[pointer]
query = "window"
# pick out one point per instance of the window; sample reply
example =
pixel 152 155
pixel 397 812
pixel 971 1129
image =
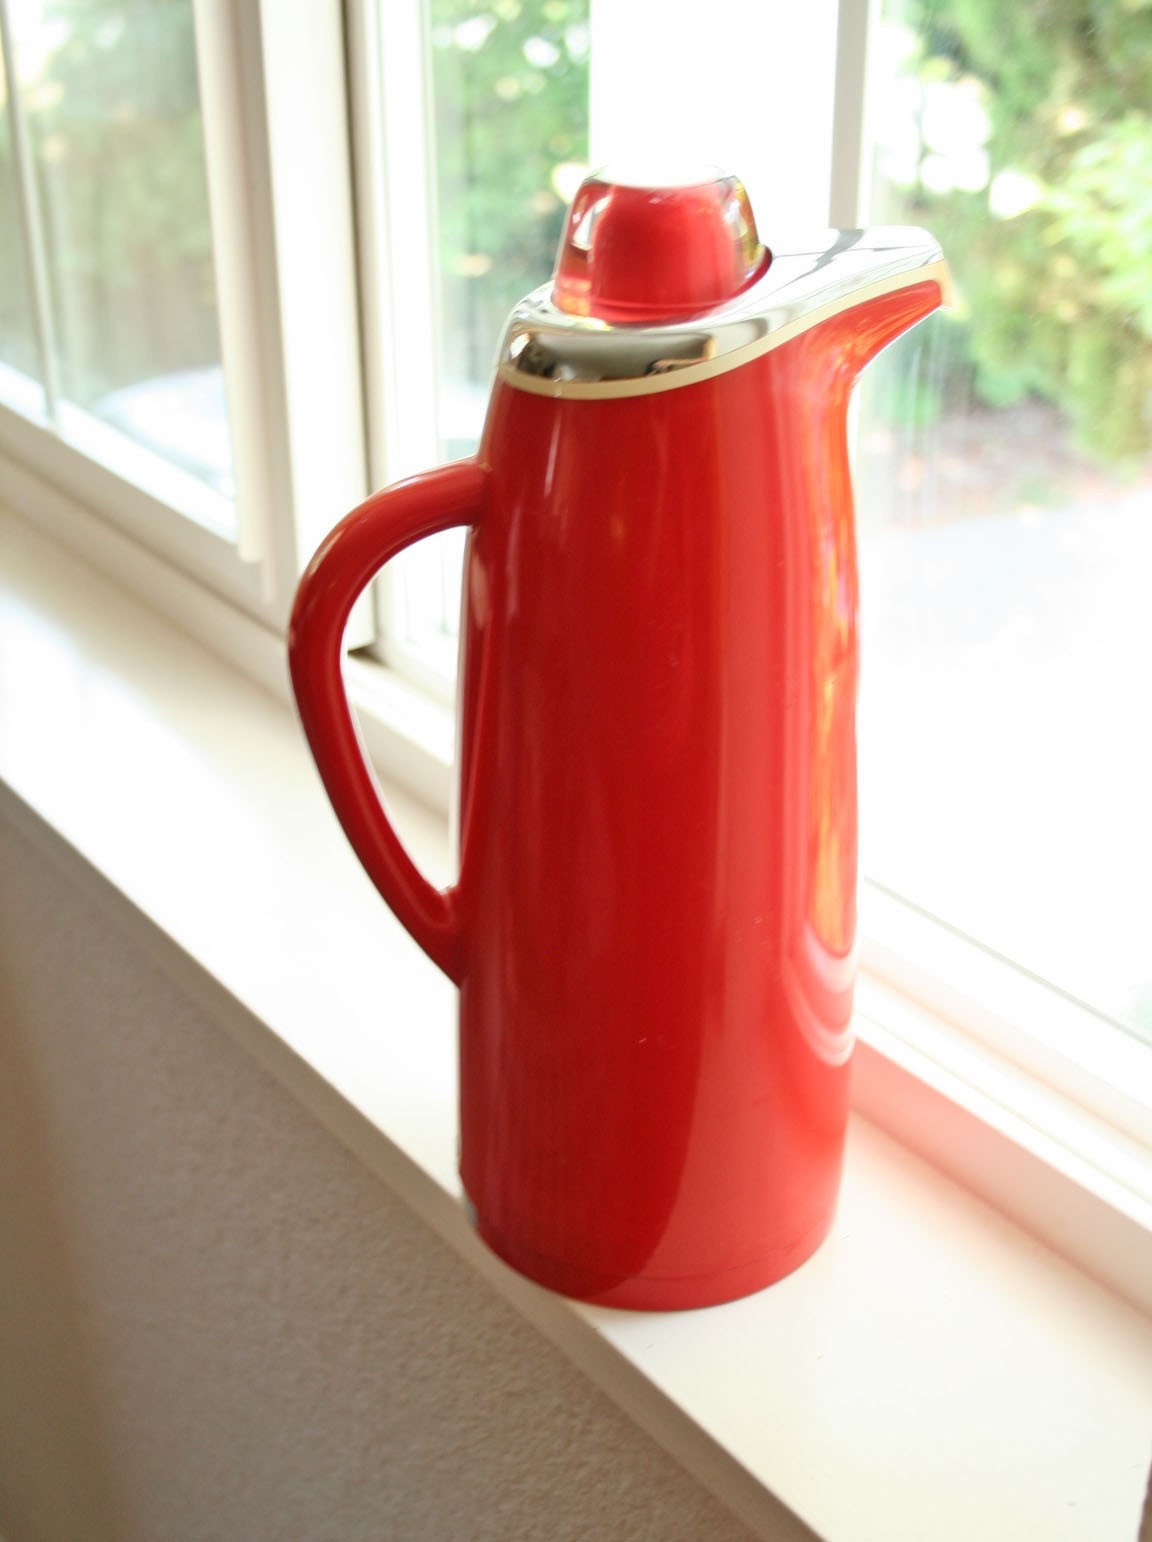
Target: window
pixel 507 104
pixel 178 290
pixel 466 221
pixel 1003 493
pixel 112 306
pixel 1005 481
pixel 1004 832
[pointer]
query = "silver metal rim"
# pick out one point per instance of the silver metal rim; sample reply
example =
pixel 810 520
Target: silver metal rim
pixel 552 352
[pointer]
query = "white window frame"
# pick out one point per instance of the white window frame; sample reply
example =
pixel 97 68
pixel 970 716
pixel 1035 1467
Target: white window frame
pixel 280 198
pixel 331 391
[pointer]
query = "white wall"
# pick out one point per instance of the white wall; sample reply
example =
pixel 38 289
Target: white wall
pixel 215 1324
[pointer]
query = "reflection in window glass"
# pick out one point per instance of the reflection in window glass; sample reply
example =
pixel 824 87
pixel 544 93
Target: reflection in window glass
pixel 1005 493
pixel 109 93
pixel 19 349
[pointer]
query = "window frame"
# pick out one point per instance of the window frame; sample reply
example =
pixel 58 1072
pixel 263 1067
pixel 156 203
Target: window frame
pixel 393 144
pixel 327 376
pixel 280 202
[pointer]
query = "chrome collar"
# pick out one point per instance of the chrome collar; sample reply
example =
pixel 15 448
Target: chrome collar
pixel 552 352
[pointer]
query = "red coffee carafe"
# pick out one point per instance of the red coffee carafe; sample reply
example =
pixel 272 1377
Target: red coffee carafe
pixel 653 926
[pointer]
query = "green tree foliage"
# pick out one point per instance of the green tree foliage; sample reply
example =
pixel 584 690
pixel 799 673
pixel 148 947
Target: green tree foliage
pixel 510 89
pixel 113 115
pixel 1058 295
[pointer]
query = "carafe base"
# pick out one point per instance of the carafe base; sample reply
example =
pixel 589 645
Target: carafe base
pixel 655 1293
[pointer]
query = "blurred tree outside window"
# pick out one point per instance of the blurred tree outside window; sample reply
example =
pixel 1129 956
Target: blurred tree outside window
pixel 510 136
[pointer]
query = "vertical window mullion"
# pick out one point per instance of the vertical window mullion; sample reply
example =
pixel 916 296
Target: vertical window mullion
pixel 397 226
pixel 396 206
pixel 276 132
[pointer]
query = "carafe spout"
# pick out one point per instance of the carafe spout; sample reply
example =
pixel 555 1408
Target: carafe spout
pixel 856 323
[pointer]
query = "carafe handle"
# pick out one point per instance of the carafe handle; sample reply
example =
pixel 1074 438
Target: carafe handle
pixel 345 564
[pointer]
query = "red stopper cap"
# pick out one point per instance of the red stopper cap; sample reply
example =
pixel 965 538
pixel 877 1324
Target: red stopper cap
pixel 641 252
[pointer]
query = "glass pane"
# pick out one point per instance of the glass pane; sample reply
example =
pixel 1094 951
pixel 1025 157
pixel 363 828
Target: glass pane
pixel 510 106
pixel 110 95
pixel 19 350
pixel 509 87
pixel 1005 493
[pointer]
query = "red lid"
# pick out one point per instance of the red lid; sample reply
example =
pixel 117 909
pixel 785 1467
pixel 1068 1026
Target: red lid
pixel 649 253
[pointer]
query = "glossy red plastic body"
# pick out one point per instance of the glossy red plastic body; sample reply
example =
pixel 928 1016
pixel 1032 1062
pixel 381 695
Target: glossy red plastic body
pixel 653 929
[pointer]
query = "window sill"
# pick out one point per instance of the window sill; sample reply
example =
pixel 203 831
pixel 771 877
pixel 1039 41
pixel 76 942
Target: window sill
pixel 933 1371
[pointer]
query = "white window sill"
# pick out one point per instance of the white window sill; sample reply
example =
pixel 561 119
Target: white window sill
pixel 933 1372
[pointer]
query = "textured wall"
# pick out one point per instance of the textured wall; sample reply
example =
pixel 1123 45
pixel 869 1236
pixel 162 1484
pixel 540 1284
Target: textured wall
pixel 214 1323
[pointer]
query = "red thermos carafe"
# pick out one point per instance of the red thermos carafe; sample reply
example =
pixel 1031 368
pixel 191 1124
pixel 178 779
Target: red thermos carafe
pixel 653 926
